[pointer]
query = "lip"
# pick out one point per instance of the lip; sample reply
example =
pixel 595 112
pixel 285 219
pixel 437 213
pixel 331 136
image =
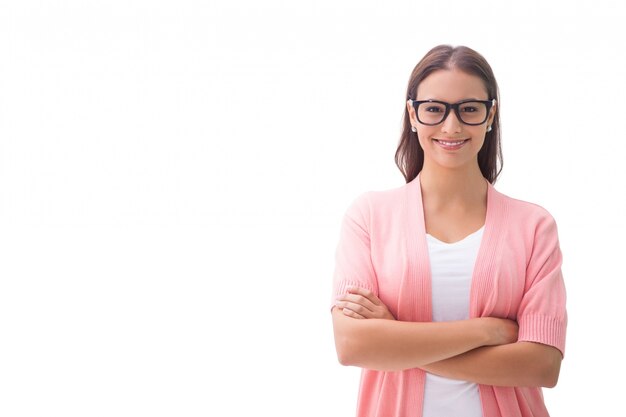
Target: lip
pixel 458 143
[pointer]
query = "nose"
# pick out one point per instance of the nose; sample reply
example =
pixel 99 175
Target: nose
pixel 451 124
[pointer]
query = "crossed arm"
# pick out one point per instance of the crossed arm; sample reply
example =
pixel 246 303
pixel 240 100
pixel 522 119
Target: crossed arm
pixel 481 350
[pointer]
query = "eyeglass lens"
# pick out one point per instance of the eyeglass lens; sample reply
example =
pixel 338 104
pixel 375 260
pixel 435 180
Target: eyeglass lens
pixel 470 112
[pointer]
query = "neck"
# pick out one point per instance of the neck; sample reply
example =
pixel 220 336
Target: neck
pixel 459 186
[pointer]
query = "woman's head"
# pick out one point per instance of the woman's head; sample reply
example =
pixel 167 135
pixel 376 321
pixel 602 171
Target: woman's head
pixel 451 74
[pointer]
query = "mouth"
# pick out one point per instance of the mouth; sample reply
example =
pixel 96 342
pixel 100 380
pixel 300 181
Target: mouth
pixel 451 145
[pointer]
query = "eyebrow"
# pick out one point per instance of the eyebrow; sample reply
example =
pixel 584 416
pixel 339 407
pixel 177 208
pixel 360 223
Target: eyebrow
pixel 463 99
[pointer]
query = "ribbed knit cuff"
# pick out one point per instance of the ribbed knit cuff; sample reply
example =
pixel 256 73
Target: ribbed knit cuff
pixel 543 329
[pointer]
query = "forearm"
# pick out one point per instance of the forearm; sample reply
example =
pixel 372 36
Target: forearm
pixel 390 345
pixel 514 364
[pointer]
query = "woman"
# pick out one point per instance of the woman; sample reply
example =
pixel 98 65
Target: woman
pixel 448 293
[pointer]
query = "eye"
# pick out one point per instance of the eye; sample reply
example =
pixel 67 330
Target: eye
pixel 469 109
pixel 434 109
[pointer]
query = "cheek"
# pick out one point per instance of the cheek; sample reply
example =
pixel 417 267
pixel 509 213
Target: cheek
pixel 425 135
pixel 478 137
pixel 422 141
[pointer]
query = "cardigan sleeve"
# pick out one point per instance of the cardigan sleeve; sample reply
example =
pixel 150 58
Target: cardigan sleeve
pixel 353 261
pixel 542 316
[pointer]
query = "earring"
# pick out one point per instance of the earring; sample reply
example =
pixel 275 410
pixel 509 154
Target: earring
pixel 489 128
pixel 413 129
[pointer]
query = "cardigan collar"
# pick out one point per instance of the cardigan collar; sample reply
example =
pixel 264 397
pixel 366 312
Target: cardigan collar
pixel 418 278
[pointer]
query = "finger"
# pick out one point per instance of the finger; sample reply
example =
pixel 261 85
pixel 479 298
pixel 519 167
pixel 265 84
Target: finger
pixel 357 308
pixel 351 313
pixel 359 299
pixel 367 294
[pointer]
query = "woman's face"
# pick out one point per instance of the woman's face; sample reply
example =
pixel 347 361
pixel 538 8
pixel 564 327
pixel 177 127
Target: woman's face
pixel 451 86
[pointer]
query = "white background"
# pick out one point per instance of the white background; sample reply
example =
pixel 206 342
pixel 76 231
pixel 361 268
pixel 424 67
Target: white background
pixel 173 176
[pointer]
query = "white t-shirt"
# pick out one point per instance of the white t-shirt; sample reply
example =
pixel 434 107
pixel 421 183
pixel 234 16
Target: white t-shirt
pixel 452 265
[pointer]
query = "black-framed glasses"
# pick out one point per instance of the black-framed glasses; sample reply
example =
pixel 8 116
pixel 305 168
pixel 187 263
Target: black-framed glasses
pixel 470 112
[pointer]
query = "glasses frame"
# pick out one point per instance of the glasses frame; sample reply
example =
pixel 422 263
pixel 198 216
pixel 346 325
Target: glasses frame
pixel 455 106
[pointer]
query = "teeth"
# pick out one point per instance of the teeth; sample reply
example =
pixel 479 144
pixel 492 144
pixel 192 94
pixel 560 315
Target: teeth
pixel 450 143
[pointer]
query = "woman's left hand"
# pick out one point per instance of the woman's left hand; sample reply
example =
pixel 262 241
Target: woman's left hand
pixel 361 303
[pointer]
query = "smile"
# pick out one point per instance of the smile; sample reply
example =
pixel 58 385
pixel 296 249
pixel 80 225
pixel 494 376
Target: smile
pixel 451 145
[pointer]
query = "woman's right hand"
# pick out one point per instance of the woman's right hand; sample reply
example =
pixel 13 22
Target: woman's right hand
pixel 500 331
pixel 361 303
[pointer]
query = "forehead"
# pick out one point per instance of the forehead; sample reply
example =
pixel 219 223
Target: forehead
pixel 451 85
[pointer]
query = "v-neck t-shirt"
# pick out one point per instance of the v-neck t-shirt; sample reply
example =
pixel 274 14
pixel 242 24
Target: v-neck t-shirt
pixel 452 265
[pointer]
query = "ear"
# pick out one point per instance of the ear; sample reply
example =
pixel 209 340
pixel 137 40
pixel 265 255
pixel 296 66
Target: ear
pixel 492 114
pixel 411 111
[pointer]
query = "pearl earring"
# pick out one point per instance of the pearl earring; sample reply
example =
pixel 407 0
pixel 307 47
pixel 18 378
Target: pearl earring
pixel 414 129
pixel 489 128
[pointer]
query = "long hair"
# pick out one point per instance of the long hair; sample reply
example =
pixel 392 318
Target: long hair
pixel 410 155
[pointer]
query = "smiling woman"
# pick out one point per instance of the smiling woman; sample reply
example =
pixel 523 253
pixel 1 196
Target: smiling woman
pixel 448 293
pixel 437 128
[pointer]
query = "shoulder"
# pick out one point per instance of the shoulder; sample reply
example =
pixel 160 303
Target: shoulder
pixel 378 202
pixel 526 214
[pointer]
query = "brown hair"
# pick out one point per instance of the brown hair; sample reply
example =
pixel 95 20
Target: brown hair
pixel 410 155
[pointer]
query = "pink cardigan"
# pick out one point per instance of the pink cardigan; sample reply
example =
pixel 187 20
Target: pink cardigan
pixel 517 275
